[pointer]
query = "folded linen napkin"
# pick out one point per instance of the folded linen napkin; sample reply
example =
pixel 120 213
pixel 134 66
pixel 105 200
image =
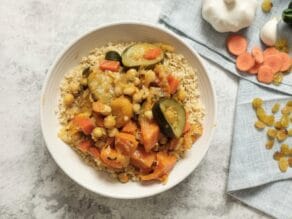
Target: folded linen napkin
pixel 254 177
pixel 184 17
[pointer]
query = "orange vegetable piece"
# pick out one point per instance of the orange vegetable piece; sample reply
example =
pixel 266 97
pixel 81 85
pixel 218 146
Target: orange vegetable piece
pixel 110 65
pixel 125 143
pixel 236 44
pixel 94 152
pixel 265 74
pixel 150 134
pixel 270 51
pixel 85 124
pixel 112 158
pixel 254 70
pixel 85 145
pixel 286 62
pixel 274 61
pixel 187 125
pixel 245 61
pixel 152 53
pixel 258 55
pixel 142 159
pixel 165 163
pixel 173 83
pixel 130 127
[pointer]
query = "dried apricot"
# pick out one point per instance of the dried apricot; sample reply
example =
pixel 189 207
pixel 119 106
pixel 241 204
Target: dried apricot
pixel 283 164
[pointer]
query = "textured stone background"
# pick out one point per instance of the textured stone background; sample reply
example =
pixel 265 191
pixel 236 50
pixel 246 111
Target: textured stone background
pixel 32 186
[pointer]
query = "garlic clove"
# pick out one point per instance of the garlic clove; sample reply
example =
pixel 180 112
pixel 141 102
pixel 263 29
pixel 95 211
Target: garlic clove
pixel 268 33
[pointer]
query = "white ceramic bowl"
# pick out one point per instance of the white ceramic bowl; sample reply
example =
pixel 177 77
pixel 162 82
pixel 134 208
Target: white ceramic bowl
pixel 69 161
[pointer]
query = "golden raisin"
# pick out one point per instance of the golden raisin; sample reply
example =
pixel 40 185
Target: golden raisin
pixel 284 149
pixel 272 133
pixel 278 125
pixel 267 6
pixel 276 108
pixel 278 78
pixel 282 45
pixel 259 125
pixel 285 110
pixel 283 164
pixel 289 103
pixel 257 102
pixel 290 161
pixel 289 132
pixel 277 155
pixel 282 134
pixel 270 144
pixel 285 121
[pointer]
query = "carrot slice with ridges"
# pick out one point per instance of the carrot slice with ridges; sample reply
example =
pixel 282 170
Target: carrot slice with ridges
pixel 236 44
pixel 257 54
pixel 245 61
pixel 265 74
pixel 274 61
pixel 286 62
pixel 270 51
pixel 254 70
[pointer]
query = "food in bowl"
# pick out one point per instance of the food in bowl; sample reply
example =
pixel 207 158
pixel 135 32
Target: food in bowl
pixel 131 109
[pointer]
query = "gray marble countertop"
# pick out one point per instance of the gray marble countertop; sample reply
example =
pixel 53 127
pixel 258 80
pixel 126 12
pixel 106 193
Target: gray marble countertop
pixel 32 33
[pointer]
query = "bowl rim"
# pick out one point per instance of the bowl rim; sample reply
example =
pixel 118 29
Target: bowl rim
pixel 112 24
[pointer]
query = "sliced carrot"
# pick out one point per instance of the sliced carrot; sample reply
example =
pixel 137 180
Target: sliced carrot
pixel 150 134
pixel 165 163
pixel 125 143
pixel 286 62
pixel 85 145
pixel 173 83
pixel 94 152
pixel 270 51
pixel 274 61
pixel 109 65
pixel 236 44
pixel 265 74
pixel 85 124
pixel 258 55
pixel 254 69
pixel 245 61
pixel 152 53
pixel 130 127
pixel 142 159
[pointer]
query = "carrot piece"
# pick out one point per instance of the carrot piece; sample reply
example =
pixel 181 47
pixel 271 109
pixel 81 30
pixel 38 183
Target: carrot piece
pixel 258 55
pixel 84 124
pixel 254 70
pixel 236 44
pixel 270 51
pixel 113 158
pixel 125 143
pixel 130 127
pixel 173 83
pixel 152 53
pixel 142 159
pixel 94 152
pixel 150 134
pixel 265 74
pixel 109 65
pixel 245 61
pixel 286 62
pixel 85 145
pixel 165 163
pixel 274 61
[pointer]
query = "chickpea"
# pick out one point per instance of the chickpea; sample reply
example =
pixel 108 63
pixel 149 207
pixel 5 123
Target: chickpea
pixel 149 77
pixel 106 110
pixel 97 133
pixel 129 90
pixel 113 132
pixel 136 107
pixel 109 122
pixel 131 74
pixel 181 95
pixel 137 97
pixel 118 91
pixel 123 177
pixel 148 114
pixel 68 99
pixel 137 81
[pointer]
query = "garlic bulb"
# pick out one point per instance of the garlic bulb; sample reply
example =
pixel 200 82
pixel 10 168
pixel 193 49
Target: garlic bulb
pixel 229 15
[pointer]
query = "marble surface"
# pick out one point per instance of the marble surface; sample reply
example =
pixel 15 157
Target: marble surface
pixel 32 186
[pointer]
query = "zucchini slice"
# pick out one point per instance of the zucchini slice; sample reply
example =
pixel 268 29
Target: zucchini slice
pixel 287 16
pixel 170 116
pixel 133 56
pixel 113 56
